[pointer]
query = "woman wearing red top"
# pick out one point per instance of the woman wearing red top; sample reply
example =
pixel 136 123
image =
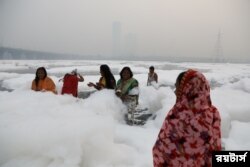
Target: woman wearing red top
pixel 191 130
pixel 70 83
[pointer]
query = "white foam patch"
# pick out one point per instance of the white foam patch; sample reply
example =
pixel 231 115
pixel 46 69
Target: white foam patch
pixel 42 129
pixel 239 138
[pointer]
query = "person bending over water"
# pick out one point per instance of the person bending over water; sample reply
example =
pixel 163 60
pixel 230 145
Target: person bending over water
pixel 70 83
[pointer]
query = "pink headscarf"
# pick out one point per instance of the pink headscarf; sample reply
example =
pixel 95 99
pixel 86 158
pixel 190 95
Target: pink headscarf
pixel 191 130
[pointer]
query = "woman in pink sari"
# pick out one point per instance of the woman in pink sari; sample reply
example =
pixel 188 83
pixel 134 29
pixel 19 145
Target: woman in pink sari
pixel 191 130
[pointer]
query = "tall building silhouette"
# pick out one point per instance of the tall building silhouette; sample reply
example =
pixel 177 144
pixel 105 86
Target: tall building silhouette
pixel 117 38
pixel 218 56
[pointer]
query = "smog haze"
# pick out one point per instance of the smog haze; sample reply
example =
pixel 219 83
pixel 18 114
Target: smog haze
pixel 146 27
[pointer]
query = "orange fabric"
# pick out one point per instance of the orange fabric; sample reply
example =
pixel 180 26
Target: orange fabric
pixel 46 84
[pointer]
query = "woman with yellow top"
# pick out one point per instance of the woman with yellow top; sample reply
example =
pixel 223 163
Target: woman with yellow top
pixel 107 79
pixel 42 82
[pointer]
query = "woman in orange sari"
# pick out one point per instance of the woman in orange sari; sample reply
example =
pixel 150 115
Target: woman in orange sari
pixel 191 130
pixel 42 82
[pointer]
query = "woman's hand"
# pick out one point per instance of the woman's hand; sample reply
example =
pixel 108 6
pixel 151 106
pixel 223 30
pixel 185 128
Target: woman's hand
pixel 91 84
pixel 80 78
pixel 118 93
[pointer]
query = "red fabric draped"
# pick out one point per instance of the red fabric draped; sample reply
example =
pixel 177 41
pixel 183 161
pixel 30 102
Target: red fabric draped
pixel 191 130
pixel 70 85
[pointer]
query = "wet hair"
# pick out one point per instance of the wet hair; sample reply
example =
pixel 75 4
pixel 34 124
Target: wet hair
pixel 151 68
pixel 37 78
pixel 126 68
pixel 177 84
pixel 180 76
pixel 110 79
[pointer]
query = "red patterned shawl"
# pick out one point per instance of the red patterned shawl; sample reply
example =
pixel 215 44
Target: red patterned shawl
pixel 191 130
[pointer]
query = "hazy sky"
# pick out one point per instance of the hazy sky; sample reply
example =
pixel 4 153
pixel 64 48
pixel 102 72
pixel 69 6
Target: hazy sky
pixel 161 27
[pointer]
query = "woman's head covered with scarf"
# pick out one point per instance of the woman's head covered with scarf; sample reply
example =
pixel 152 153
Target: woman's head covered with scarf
pixel 193 90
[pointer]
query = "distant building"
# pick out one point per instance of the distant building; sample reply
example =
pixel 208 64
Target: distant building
pixel 117 38
pixel 218 56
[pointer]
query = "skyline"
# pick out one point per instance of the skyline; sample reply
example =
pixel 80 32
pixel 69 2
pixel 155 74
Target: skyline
pixel 21 54
pixel 160 28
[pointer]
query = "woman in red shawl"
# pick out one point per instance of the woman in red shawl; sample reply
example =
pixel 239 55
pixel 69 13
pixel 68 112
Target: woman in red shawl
pixel 191 130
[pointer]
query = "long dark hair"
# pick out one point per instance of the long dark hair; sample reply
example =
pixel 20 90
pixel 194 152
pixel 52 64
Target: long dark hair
pixel 37 78
pixel 126 68
pixel 109 77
